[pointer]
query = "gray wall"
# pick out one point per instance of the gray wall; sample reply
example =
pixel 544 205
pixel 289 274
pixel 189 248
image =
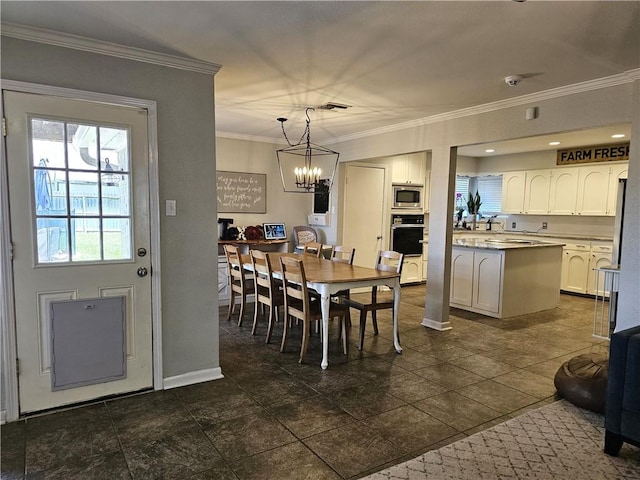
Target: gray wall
pixel 258 157
pixel 186 151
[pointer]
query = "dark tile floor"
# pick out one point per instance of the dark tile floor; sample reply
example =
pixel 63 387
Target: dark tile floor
pixel 272 418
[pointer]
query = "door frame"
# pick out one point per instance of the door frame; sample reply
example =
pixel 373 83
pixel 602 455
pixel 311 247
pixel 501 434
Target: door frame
pixel 7 312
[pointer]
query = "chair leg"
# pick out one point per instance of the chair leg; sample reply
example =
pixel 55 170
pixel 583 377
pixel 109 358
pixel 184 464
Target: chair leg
pixel 612 443
pixel 375 322
pixel 232 302
pixel 345 335
pixel 306 326
pixel 243 302
pixel 285 330
pixel 255 318
pixel 270 326
pixel 363 323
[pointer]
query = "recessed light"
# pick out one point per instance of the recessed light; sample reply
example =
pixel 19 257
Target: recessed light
pixel 490 150
pixel 618 135
pixel 554 143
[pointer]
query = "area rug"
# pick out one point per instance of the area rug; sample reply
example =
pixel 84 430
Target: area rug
pixel 557 441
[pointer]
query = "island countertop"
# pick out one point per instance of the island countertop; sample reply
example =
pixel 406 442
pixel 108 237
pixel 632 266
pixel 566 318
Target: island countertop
pixel 502 243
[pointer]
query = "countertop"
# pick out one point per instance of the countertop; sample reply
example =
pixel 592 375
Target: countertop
pixel 502 244
pixel 567 236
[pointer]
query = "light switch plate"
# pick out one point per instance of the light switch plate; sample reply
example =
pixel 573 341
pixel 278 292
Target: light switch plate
pixel 170 206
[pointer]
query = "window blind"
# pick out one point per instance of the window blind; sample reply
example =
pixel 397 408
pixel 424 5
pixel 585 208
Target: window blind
pixel 490 189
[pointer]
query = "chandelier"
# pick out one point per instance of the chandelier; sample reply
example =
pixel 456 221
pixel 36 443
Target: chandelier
pixel 300 163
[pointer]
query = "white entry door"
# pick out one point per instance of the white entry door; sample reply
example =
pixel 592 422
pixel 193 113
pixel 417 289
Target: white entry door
pixel 79 211
pixel 364 212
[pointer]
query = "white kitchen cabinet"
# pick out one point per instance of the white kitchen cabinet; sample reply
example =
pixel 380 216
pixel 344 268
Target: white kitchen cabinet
pixel 575 268
pixel 425 260
pixel 411 270
pixel 564 191
pixel 616 172
pixel 505 282
pixel 461 277
pixel 536 194
pixel 476 277
pixel 513 184
pixel 427 184
pixel 599 257
pixel 593 190
pixel 487 280
pixel 409 169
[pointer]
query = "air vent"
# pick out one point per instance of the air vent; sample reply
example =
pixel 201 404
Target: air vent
pixel 333 106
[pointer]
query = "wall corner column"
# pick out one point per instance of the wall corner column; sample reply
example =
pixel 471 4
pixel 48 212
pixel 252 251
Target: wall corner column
pixel 441 201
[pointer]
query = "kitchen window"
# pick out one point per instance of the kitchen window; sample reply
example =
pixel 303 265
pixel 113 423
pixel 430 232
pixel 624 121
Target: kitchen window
pixel 490 190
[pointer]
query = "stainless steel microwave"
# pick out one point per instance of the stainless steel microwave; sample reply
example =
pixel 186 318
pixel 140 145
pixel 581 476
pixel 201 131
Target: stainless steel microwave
pixel 407 195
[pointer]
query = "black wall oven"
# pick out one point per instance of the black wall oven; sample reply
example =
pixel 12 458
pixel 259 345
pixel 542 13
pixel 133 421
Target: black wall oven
pixel 407 233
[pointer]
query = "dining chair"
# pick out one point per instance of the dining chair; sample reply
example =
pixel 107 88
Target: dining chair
pixel 298 304
pixel 312 248
pixel 303 234
pixel 387 261
pixel 268 290
pixel 240 281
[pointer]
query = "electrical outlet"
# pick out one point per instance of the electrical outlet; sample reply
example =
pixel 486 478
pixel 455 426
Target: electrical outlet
pixel 513 224
pixel 544 225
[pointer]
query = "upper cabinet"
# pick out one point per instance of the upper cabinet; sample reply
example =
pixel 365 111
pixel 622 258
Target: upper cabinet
pixel 593 190
pixel 585 190
pixel 409 168
pixel 513 192
pixel 564 191
pixel 536 193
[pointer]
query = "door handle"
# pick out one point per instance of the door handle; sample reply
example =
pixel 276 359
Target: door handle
pixel 379 237
pixel 142 272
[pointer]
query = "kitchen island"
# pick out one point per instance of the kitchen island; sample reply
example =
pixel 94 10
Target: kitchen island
pixel 505 277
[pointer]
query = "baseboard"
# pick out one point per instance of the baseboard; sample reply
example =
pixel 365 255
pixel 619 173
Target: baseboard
pixel 192 377
pixel 3 417
pixel 442 326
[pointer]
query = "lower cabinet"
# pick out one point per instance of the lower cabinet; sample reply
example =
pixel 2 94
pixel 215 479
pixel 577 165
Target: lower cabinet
pixel 579 267
pixel 476 279
pixel 575 268
pixel 411 270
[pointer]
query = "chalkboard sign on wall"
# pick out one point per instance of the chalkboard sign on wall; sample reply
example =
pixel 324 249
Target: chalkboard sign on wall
pixel 240 192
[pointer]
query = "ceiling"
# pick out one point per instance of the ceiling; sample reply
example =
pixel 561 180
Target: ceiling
pixel 392 62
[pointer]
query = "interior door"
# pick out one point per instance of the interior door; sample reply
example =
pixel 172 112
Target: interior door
pixel 364 212
pixel 79 212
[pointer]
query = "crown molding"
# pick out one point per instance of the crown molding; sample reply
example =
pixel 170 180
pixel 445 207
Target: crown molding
pixel 611 81
pixel 85 44
pixel 251 138
pixel 590 85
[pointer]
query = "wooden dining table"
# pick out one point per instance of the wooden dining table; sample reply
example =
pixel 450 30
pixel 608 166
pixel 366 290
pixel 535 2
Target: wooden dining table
pixel 327 278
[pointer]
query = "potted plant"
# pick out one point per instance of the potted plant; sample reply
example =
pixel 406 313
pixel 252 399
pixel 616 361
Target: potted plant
pixel 473 207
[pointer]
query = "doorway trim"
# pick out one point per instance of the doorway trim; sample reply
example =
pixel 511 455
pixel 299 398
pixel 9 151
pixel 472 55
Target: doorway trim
pixel 7 315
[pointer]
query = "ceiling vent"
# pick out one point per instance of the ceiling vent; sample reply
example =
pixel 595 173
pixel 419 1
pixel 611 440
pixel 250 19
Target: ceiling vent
pixel 333 106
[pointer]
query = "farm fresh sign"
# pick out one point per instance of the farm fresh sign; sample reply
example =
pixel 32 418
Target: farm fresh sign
pixel 597 153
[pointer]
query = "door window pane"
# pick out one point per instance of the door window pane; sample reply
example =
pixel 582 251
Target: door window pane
pixel 81 191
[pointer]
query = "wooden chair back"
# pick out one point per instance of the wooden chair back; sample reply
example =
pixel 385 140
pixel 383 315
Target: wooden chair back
pixel 296 294
pixel 236 274
pixel 312 248
pixel 265 284
pixel 342 254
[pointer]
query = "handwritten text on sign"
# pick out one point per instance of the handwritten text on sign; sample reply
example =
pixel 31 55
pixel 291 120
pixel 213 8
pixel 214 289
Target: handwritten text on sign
pixel 596 153
pixel 240 192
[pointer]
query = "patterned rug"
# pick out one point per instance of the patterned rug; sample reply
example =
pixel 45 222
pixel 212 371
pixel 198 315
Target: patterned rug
pixel 557 441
